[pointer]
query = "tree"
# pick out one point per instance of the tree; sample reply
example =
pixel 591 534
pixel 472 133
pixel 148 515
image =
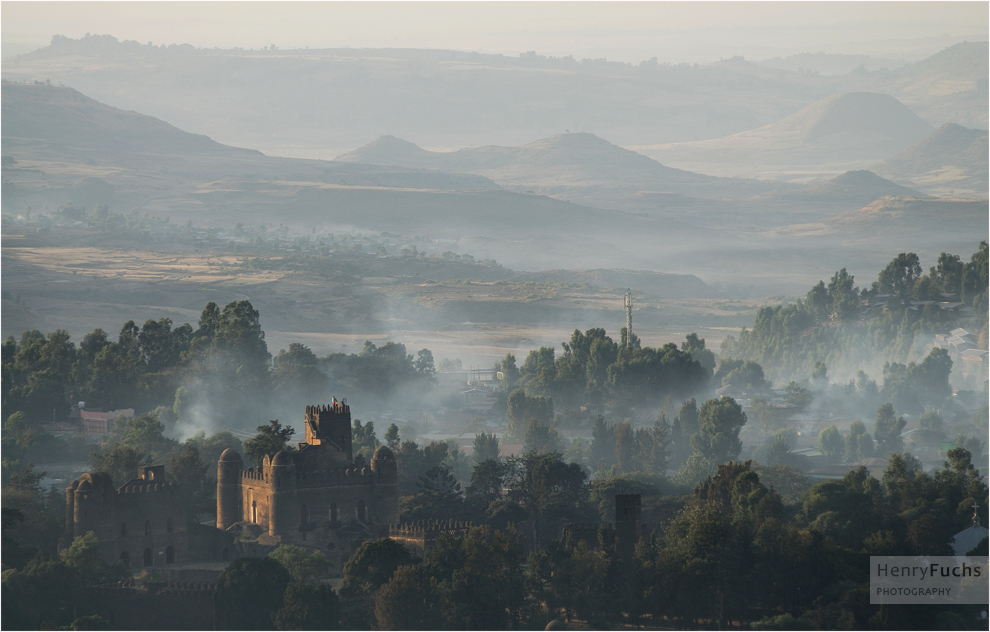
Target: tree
pixel 408 602
pixel 717 440
pixel 625 446
pixel 120 461
pixel 830 443
pixel 364 441
pixel 249 593
pixel 696 347
pixel 522 409
pixel 653 447
pixel 859 443
pixel 748 376
pixel 548 488
pixel 303 567
pixel 187 470
pixel 487 480
pixel 771 417
pixel 270 440
pixel 308 607
pixel 887 431
pixel 542 437
pixel 485 447
pixel 930 429
pixel 392 437
pixel 371 566
pixel 602 442
pixel 843 299
pixel 899 276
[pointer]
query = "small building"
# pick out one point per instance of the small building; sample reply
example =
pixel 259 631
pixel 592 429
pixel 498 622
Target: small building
pixel 97 424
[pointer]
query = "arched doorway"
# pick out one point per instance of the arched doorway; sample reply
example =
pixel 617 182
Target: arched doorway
pixel 148 558
pixel 170 554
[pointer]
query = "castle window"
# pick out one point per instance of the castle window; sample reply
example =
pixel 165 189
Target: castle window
pixel 362 514
pixel 168 525
pixel 147 527
pixel 126 559
pixel 170 554
pixel 333 513
pixel 148 559
pixel 123 529
pixel 254 511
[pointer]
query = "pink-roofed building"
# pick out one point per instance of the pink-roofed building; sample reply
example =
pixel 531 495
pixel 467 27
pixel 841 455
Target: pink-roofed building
pixel 97 424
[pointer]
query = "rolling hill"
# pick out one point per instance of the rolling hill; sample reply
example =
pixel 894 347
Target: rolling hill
pixel 950 161
pixel 838 133
pixel 575 166
pixel 853 188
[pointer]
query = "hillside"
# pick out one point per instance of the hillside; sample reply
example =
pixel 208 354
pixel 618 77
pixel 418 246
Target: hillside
pixel 901 220
pixel 853 188
pixel 576 166
pixel 59 121
pixel 950 161
pixel 841 132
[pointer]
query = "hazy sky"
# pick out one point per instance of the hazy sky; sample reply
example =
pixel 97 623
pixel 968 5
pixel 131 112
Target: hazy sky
pixel 622 31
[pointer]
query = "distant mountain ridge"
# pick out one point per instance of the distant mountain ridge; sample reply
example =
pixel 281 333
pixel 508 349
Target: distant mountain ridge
pixel 69 122
pixel 852 130
pixel 565 165
pixel 951 160
pixel 856 187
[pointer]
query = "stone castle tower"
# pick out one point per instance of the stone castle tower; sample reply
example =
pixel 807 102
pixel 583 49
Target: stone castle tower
pixel 307 495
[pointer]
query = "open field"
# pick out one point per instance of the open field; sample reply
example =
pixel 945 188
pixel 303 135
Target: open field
pixel 331 304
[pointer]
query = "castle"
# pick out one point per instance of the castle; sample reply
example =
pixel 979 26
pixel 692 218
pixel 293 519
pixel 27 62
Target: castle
pixel 317 495
pixel 141 523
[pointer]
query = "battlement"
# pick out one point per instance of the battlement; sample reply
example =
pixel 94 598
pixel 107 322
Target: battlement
pixel 144 488
pixel 330 423
pixel 428 528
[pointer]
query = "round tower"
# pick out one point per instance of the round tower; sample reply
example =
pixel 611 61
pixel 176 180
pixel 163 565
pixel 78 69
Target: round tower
pixel 70 508
pixel 283 496
pixel 229 488
pixel 386 490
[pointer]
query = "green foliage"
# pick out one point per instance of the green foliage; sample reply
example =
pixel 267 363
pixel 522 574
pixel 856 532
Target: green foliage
pixel 120 461
pixel 887 431
pixel 842 327
pixel 371 566
pixel 717 439
pixel 470 583
pixel 831 444
pixel 250 593
pixel 83 556
pixel 485 447
pixel 308 607
pixel 303 566
pixel 522 409
pixel 542 437
pixel 363 440
pixel 270 440
pixel 392 437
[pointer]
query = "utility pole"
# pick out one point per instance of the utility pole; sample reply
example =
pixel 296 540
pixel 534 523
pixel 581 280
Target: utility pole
pixel 629 304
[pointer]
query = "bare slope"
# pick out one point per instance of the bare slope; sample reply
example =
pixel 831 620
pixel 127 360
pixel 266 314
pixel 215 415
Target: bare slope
pixel 952 160
pixel 837 133
pixel 577 166
pixel 853 188
pixel 903 219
